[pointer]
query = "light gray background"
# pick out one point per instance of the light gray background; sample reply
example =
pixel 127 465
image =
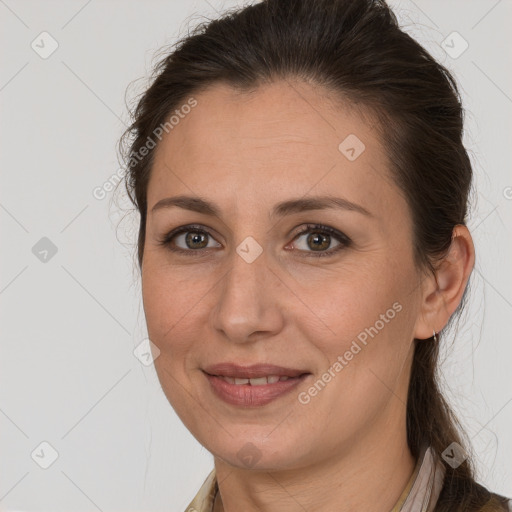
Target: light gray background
pixel 70 325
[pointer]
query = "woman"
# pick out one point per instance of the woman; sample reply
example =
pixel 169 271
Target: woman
pixel 302 186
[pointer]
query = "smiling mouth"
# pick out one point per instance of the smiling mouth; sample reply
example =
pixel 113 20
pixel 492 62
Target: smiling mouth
pixel 259 381
pixel 254 391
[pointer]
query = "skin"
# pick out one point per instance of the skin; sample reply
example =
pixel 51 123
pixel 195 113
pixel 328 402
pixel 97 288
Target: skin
pixel 246 152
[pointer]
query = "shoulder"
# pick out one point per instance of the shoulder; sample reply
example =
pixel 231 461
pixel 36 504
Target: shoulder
pixel 458 495
pixel 497 503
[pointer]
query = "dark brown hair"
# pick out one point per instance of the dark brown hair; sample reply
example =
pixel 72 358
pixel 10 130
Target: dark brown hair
pixel 356 49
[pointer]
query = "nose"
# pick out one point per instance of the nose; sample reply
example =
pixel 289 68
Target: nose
pixel 248 305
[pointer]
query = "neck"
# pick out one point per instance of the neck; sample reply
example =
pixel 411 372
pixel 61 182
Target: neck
pixel 365 477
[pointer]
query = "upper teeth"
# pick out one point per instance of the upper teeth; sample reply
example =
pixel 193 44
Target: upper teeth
pixel 260 381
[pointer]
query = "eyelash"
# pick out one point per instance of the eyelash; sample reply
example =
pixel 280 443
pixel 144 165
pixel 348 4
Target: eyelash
pixel 344 240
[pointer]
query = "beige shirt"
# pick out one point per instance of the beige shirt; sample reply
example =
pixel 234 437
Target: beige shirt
pixel 419 495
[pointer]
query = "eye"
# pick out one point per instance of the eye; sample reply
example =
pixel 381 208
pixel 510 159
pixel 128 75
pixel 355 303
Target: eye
pixel 320 237
pixel 194 239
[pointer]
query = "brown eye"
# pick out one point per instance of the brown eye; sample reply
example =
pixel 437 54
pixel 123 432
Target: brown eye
pixel 191 240
pixel 196 240
pixel 188 239
pixel 319 238
pixel 318 241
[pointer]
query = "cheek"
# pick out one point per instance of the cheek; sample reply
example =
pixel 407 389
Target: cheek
pixel 170 322
pixel 364 362
pixel 363 318
pixel 169 299
pixel 168 311
pixel 347 300
pixel 177 303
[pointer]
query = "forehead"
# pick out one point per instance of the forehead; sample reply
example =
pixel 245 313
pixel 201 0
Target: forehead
pixel 279 139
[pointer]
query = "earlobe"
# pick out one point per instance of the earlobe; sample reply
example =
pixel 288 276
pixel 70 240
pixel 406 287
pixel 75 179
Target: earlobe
pixel 445 289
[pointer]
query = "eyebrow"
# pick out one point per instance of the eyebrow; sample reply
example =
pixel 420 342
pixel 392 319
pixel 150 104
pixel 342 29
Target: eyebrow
pixel 291 206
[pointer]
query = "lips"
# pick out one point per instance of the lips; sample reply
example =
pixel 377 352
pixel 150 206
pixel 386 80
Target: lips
pixel 254 385
pixel 256 371
pixel 254 391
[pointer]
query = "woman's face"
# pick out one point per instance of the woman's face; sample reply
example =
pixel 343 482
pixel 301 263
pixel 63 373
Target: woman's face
pixel 254 285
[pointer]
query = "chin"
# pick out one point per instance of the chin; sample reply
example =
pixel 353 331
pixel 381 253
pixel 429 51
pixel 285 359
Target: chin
pixel 245 452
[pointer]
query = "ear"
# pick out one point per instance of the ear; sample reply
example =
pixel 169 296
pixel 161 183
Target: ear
pixel 442 292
